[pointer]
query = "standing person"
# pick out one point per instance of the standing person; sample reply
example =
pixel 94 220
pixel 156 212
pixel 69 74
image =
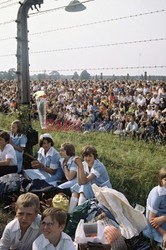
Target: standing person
pixel 25 227
pixel 8 160
pixel 53 237
pixel 47 166
pixel 156 211
pixel 18 141
pixel 67 153
pixel 89 172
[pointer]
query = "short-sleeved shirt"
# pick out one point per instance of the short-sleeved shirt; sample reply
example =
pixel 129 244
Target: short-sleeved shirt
pixel 50 159
pixel 19 140
pixel 12 234
pixel 99 170
pixel 65 243
pixel 8 153
pixel 156 203
pixel 70 164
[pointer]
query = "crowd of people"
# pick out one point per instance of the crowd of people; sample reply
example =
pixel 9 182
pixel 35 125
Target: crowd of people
pixel 123 107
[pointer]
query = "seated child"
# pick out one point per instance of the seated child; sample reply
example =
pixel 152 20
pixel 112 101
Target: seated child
pixel 89 172
pixel 53 237
pixel 25 228
pixel 8 159
pixel 156 211
pixel 67 153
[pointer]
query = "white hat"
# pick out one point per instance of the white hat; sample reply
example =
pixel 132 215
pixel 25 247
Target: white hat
pixel 46 135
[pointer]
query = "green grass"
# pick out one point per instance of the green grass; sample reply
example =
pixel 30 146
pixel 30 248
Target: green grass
pixel 132 165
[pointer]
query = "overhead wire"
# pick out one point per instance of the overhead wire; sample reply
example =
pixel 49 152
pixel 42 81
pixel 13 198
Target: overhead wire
pixel 84 24
pixel 1 3
pixel 55 9
pixel 92 46
pixel 8 5
pixel 98 46
pixel 103 68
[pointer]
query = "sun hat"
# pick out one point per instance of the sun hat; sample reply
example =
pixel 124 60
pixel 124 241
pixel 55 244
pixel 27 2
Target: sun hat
pixel 46 135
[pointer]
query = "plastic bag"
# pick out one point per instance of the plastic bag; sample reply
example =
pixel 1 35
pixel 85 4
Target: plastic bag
pixel 80 235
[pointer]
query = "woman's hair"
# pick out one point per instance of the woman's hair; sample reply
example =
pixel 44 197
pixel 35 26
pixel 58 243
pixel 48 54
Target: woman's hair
pixel 28 200
pixel 69 148
pixel 56 214
pixel 162 174
pixel 19 126
pixel 47 139
pixel 5 136
pixel 88 150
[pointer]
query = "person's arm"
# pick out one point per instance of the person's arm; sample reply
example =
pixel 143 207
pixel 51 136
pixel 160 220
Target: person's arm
pixel 38 165
pixel 18 148
pixel 5 241
pixel 5 162
pixel 81 176
pixel 69 174
pixel 22 145
pixel 156 222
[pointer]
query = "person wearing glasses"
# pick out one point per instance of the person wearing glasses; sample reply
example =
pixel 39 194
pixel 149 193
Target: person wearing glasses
pixel 53 237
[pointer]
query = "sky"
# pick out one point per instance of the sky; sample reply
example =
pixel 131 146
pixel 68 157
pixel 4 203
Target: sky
pixel 96 44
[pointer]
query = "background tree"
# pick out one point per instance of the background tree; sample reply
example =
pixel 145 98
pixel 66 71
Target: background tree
pixel 75 76
pixel 84 75
pixel 11 74
pixel 54 75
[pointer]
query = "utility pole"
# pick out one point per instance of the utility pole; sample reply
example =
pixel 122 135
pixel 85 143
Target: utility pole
pixel 22 50
pixel 23 71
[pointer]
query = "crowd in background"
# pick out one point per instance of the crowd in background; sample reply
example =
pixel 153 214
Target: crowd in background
pixel 124 107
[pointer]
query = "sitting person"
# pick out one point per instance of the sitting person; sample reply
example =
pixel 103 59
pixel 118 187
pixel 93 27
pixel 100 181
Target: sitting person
pixel 67 153
pixel 89 172
pixel 47 167
pixel 8 160
pixel 53 237
pixel 18 141
pixel 132 127
pixel 21 232
pixel 156 211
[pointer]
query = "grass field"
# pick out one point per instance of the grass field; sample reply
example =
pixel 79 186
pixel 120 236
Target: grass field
pixel 132 165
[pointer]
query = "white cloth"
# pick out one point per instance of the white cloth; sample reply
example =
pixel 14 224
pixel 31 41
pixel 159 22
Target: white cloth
pixel 12 233
pixel 9 153
pixel 131 222
pixel 65 243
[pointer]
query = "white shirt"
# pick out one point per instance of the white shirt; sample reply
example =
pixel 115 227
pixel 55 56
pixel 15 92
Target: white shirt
pixel 65 243
pixel 12 233
pixel 9 153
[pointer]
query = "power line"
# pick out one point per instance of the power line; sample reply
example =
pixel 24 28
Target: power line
pixel 107 68
pixel 6 2
pixel 98 22
pixel 88 24
pixel 97 46
pixel 84 24
pixel 6 6
pixel 7 22
pixel 54 9
pixel 92 46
